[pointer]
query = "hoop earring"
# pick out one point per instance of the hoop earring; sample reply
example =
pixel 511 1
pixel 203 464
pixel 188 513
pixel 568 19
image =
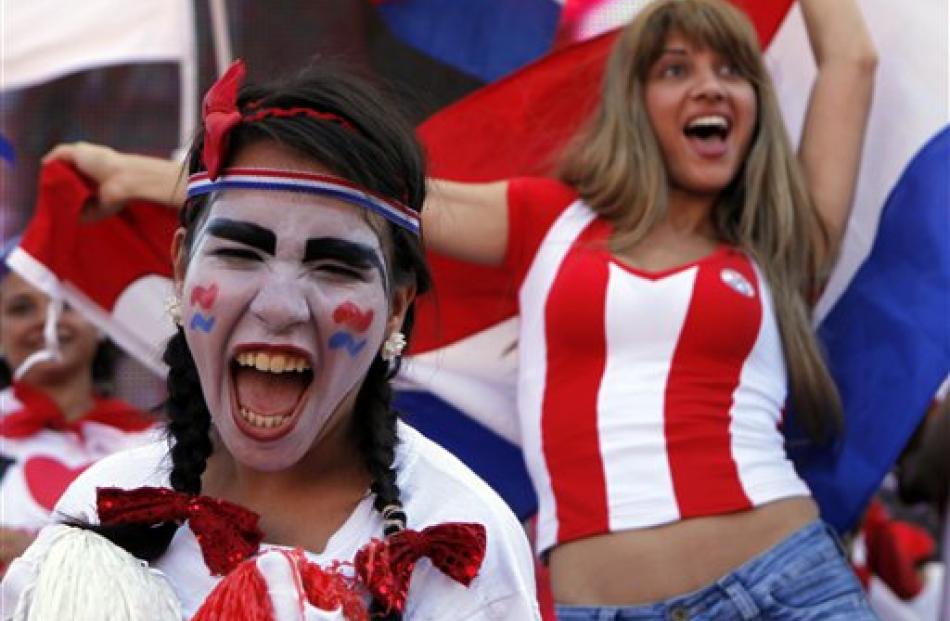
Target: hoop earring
pixel 173 309
pixel 393 346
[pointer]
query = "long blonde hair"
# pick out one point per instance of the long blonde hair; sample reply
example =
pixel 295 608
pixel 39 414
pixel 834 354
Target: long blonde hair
pixel 616 165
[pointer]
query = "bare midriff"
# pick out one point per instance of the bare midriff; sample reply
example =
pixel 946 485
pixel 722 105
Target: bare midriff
pixel 646 565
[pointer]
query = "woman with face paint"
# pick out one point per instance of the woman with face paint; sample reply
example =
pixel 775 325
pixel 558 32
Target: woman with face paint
pixel 288 489
pixel 55 417
pixel 664 288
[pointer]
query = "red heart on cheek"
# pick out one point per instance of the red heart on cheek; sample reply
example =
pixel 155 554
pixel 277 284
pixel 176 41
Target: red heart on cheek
pixel 47 479
pixel 350 314
pixel 204 296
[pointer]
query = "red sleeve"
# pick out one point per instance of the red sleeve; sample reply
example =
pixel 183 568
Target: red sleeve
pixel 534 203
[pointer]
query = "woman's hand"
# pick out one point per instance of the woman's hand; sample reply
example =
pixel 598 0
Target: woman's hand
pixel 122 177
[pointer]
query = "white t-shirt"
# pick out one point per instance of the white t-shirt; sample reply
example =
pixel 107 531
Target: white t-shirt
pixel 37 468
pixel 435 487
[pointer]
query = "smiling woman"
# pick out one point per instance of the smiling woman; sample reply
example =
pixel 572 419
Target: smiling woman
pixel 56 417
pixel 664 283
pixel 296 266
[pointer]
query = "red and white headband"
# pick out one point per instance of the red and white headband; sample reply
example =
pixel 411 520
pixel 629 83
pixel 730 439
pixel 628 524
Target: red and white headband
pixel 221 114
pixel 306 183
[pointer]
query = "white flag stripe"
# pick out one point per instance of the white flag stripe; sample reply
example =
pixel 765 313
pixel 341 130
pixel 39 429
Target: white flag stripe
pixel 910 106
pixel 46 39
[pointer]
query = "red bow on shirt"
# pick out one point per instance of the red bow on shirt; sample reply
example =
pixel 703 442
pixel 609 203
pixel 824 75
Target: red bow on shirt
pixel 226 532
pixel 40 412
pixel 220 114
pixel 385 566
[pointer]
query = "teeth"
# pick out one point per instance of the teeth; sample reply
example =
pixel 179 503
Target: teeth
pixel 264 422
pixel 709 121
pixel 272 363
pixel 277 363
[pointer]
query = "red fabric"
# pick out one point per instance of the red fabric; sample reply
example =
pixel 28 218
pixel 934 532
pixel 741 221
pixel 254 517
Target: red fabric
pixel 40 412
pixel 78 252
pixel 574 310
pixel 509 128
pixel 329 590
pixel 241 595
pixel 534 204
pixel 385 565
pixel 287 112
pixel 894 551
pixel 542 577
pixel 226 532
pixel 766 16
pixel 220 114
pixel 696 419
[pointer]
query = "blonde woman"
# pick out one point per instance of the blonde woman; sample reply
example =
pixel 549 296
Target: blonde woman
pixel 664 286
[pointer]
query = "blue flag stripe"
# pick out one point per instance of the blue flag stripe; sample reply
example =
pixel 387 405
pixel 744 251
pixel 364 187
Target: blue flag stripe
pixel 888 339
pixel 496 460
pixel 484 38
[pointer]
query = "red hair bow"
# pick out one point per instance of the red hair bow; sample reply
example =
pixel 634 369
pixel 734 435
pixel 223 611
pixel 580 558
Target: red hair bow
pixel 226 532
pixel 220 114
pixel 385 566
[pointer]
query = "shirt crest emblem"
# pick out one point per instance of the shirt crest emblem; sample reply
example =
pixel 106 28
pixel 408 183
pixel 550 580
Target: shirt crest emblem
pixel 737 282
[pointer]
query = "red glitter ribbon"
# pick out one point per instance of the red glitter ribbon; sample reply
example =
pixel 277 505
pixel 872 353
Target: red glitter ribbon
pixel 226 532
pixel 385 566
pixel 220 114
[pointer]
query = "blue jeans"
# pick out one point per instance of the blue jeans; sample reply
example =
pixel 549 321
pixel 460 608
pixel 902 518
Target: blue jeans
pixel 803 578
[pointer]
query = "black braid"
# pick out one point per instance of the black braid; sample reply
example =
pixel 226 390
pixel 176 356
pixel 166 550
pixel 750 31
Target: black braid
pixel 375 421
pixel 189 423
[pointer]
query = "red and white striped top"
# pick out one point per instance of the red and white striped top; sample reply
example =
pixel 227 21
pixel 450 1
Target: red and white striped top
pixel 644 398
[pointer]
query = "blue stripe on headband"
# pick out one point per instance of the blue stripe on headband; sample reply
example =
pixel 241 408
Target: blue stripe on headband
pixel 307 183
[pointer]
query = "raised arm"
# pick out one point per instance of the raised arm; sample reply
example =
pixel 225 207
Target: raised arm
pixel 837 115
pixel 122 177
pixel 467 221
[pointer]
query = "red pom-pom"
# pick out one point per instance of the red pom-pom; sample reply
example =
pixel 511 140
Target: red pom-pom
pixel 241 595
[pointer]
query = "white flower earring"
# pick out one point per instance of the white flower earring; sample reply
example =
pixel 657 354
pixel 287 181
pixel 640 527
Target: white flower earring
pixel 393 346
pixel 173 309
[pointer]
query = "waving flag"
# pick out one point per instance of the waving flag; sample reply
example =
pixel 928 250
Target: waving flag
pixel 483 38
pixel 46 39
pixel 117 271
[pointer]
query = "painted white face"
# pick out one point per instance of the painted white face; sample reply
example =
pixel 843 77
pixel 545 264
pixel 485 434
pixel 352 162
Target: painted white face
pixel 285 304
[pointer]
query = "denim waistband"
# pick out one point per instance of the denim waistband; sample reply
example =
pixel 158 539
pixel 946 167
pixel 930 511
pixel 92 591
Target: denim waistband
pixel 813 543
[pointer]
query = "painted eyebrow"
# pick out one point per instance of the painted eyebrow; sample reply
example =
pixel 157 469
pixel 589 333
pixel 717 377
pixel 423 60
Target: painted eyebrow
pixel 355 254
pixel 246 233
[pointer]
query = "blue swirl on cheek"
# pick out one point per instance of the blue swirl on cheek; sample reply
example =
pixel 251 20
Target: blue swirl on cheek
pixel 346 341
pixel 201 322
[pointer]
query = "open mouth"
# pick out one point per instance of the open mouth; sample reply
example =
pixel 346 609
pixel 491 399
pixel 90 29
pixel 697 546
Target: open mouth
pixel 270 385
pixel 708 134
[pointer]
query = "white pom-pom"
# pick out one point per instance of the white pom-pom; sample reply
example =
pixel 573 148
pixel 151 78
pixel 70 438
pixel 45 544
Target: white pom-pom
pixel 85 577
